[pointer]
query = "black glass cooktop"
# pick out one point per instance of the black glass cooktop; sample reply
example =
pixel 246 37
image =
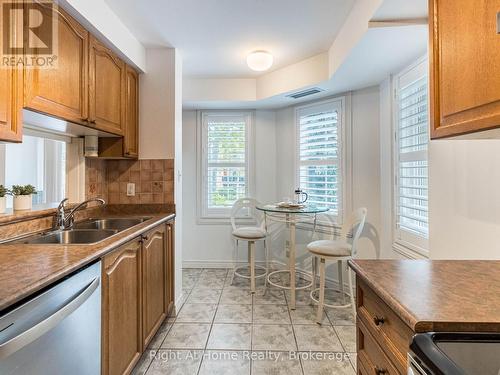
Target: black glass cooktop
pixel 458 353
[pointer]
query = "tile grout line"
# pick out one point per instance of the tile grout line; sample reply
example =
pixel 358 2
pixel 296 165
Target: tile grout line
pixel 293 330
pixel 211 325
pixel 168 331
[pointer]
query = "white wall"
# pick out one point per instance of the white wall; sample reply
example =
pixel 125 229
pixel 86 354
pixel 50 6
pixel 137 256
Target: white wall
pixel 366 166
pixel 464 198
pixel 210 244
pixel 178 175
pixel 158 103
pixel 98 18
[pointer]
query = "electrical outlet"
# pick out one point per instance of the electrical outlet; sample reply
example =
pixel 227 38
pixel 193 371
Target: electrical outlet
pixel 130 189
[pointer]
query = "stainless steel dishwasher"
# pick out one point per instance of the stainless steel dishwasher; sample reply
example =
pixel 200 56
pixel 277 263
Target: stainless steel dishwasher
pixel 56 332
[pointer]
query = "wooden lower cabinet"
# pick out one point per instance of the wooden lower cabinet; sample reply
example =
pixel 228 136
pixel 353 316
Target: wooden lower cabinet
pixel 122 309
pixel 137 295
pixel 154 275
pixel 371 355
pixel 383 339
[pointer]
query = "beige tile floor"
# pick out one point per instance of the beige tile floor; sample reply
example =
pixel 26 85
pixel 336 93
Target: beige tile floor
pixel 222 329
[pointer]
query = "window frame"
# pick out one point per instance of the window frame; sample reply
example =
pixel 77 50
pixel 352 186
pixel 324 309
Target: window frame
pixel 42 162
pixel 326 221
pixel 405 241
pixel 205 214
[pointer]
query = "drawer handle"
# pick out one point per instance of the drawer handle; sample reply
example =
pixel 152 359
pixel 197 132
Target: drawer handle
pixel 380 371
pixel 378 321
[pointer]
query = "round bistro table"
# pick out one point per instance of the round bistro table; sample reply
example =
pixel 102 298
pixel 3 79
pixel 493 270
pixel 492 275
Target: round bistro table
pixel 291 216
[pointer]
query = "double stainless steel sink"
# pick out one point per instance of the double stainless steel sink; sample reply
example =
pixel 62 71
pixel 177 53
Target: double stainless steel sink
pixel 85 232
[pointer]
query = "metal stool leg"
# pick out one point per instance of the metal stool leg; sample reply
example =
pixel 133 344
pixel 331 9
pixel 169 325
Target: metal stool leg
pixel 266 254
pixel 314 273
pixel 251 255
pixel 341 280
pixel 319 317
pixel 235 259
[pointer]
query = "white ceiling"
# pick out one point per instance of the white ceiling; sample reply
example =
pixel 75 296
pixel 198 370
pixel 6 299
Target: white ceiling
pixel 401 9
pixel 215 36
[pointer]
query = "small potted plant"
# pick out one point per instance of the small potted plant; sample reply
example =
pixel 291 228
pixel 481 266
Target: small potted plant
pixel 23 196
pixel 3 192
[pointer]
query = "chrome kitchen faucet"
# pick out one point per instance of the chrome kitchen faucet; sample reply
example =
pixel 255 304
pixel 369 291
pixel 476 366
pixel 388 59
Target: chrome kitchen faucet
pixel 65 221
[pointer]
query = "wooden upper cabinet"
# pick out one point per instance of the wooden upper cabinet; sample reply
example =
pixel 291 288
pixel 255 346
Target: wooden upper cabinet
pixel 121 309
pixel 107 89
pixel 62 91
pixel 131 140
pixel 11 102
pixel 464 66
pixel 10 105
pixel 154 281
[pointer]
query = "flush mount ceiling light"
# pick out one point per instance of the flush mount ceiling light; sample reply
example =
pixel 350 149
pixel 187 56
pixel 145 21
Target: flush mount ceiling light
pixel 260 60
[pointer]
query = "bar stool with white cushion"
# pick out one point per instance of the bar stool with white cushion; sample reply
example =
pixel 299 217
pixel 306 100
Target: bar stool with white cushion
pixel 338 250
pixel 251 234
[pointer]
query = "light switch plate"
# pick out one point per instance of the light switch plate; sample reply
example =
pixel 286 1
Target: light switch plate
pixel 130 189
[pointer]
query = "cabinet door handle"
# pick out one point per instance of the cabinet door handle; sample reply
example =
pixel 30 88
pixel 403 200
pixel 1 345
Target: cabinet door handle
pixel 144 238
pixel 380 371
pixel 378 320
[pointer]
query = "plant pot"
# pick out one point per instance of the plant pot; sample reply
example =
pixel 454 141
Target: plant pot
pixel 2 204
pixel 23 202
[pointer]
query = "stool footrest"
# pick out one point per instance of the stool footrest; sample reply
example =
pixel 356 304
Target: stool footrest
pixel 236 273
pixel 328 305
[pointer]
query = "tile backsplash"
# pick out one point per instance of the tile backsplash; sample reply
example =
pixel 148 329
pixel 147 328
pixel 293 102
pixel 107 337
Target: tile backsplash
pixel 153 179
pixel 96 184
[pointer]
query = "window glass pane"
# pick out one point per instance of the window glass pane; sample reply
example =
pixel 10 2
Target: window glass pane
pixel 411 167
pixel 225 186
pixel 413 197
pixel 319 156
pixel 413 124
pixel 225 154
pixel 321 183
pixel 318 136
pixel 226 142
pixel 40 162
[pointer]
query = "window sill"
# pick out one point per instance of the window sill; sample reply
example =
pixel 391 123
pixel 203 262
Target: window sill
pixel 40 210
pixel 410 252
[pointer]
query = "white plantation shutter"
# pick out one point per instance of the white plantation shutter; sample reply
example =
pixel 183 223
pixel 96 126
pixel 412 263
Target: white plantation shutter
pixel 412 217
pixel 225 161
pixel 319 155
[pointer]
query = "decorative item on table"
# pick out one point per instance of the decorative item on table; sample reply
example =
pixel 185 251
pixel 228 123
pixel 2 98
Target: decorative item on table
pixel 23 197
pixel 3 193
pixel 288 203
pixel 301 196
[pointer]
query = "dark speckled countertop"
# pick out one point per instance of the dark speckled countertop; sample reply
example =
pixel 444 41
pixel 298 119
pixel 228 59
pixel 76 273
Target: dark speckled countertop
pixel 25 269
pixel 437 295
